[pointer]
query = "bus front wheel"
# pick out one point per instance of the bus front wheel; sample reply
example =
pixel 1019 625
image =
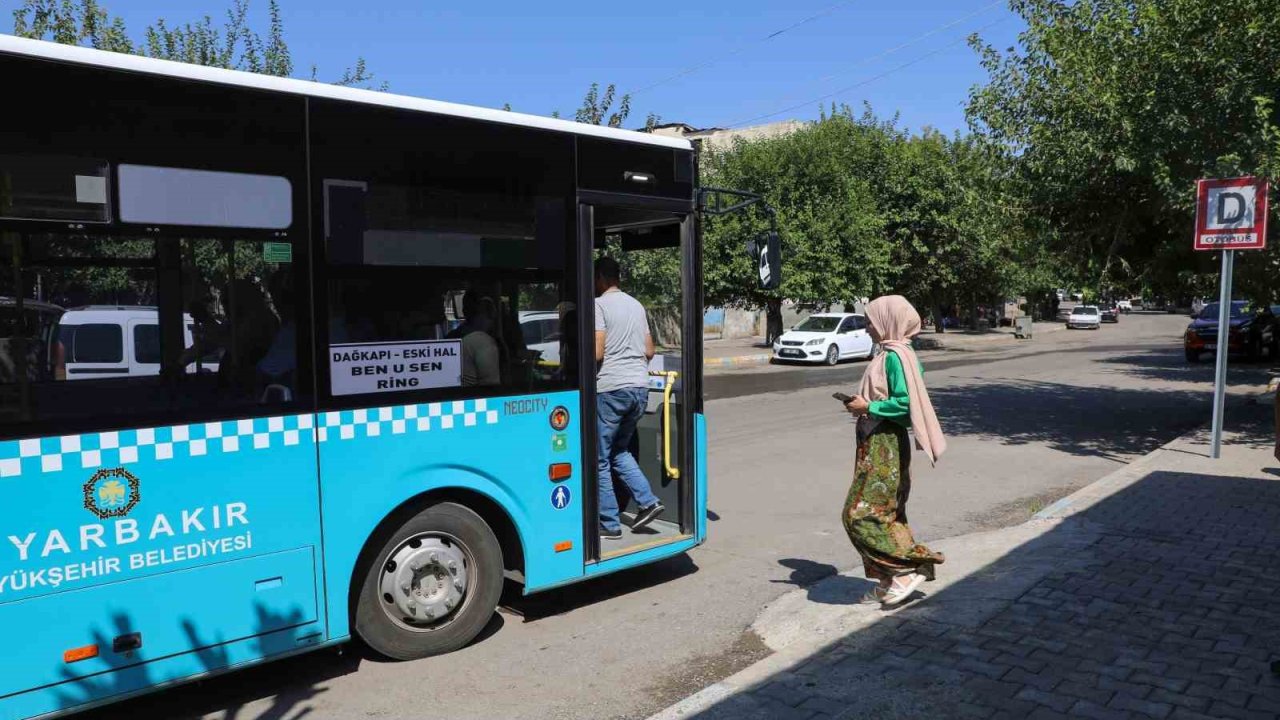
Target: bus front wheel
pixel 433 586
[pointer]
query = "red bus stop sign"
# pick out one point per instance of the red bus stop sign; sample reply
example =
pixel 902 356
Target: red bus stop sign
pixel 1231 214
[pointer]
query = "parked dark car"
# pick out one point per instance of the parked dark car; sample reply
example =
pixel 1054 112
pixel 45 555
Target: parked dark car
pixel 1253 330
pixel 1110 312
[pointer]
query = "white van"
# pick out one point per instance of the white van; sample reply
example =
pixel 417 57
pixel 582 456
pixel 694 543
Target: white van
pixel 107 341
pixel 541 331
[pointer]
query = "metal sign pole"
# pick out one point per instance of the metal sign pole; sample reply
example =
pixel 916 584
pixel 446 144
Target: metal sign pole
pixel 1224 338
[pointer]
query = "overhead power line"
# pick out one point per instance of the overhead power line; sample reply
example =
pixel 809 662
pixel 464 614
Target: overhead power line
pixel 868 81
pixel 914 40
pixel 712 61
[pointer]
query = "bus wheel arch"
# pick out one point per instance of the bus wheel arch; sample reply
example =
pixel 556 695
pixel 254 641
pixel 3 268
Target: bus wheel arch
pixel 449 537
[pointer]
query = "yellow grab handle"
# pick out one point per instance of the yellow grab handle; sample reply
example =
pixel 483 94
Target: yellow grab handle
pixel 672 471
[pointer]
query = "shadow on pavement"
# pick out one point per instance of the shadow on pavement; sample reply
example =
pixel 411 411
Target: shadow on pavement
pixel 1101 421
pixel 839 590
pixel 1088 420
pixel 562 600
pixel 1156 599
pixel 1173 367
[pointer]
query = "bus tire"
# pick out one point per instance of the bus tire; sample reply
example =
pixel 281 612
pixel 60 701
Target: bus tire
pixel 432 587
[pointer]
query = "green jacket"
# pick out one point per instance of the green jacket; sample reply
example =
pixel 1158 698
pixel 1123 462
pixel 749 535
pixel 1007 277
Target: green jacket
pixel 897 407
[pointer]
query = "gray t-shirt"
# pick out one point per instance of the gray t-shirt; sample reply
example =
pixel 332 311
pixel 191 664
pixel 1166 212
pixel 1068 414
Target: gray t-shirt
pixel 624 323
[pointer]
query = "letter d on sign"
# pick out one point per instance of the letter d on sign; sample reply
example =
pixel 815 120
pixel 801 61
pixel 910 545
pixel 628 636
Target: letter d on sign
pixel 1238 208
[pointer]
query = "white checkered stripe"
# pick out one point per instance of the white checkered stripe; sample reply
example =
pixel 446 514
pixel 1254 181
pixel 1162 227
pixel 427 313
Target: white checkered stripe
pixel 377 422
pixel 124 447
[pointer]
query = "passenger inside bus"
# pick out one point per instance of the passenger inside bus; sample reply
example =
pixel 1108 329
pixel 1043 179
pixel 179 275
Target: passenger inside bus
pixel 279 365
pixel 254 329
pixel 209 334
pixel 481 357
pixel 409 317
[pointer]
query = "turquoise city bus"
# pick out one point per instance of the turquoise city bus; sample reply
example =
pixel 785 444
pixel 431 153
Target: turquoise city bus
pixel 294 364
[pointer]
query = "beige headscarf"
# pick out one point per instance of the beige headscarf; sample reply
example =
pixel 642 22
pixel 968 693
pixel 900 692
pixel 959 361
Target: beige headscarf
pixel 896 322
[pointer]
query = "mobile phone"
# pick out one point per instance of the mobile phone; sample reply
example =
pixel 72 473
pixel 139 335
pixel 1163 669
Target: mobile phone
pixel 844 399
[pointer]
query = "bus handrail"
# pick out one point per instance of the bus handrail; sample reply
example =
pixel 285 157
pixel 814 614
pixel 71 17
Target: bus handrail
pixel 669 387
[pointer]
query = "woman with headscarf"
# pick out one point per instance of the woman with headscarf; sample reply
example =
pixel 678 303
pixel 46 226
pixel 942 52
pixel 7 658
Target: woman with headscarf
pixel 891 400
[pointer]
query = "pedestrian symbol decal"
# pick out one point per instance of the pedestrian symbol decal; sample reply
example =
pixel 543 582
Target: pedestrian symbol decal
pixel 560 497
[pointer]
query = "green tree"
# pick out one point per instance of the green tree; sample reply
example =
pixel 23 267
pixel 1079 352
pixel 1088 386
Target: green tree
pixel 833 246
pixel 864 209
pixel 955 229
pixel 1113 108
pixel 598 110
pixel 234 45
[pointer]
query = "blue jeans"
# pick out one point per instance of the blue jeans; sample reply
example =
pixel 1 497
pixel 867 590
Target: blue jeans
pixel 617 414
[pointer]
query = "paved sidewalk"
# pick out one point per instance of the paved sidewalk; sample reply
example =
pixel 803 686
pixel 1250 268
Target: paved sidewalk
pixel 1148 594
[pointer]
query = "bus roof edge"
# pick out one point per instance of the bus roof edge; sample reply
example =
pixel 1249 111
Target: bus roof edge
pixel 77 55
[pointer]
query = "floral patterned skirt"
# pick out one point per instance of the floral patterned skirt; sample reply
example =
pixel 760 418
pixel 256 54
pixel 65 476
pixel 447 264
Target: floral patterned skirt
pixel 875 513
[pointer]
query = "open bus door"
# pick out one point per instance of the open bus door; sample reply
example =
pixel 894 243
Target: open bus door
pixel 655 245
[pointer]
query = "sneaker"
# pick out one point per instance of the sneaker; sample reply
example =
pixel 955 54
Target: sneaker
pixel 611 534
pixel 647 515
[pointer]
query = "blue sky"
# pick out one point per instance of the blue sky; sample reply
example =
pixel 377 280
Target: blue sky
pixel 541 56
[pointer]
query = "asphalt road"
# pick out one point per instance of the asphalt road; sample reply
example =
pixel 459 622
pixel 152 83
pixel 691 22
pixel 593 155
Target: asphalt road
pixel 1026 426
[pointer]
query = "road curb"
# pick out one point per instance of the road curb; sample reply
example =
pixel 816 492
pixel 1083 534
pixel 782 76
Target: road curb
pixel 739 361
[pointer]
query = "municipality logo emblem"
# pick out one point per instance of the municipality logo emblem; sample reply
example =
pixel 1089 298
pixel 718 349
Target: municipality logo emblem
pixel 111 493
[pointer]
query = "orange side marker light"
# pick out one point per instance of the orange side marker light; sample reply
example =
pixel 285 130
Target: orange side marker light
pixel 564 546
pixel 81 653
pixel 560 472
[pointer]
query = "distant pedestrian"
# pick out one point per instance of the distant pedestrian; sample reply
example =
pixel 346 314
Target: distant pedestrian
pixel 891 400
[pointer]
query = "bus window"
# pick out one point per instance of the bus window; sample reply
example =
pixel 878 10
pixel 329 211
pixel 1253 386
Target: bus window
pixel 243 312
pixel 443 270
pixel 148 327
pixel 440 235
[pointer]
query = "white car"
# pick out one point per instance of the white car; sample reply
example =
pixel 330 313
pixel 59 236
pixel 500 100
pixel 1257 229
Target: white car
pixel 541 331
pixel 827 338
pixel 1125 306
pixel 1084 316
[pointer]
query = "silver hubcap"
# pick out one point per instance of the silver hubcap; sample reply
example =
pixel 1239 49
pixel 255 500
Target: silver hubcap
pixel 424 582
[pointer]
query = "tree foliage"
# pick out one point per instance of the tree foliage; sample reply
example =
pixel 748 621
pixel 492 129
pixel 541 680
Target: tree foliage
pixel 233 45
pixel 1112 109
pixel 865 208
pixel 598 109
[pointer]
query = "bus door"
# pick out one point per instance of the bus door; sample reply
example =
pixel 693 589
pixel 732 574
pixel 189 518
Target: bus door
pixel 654 249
